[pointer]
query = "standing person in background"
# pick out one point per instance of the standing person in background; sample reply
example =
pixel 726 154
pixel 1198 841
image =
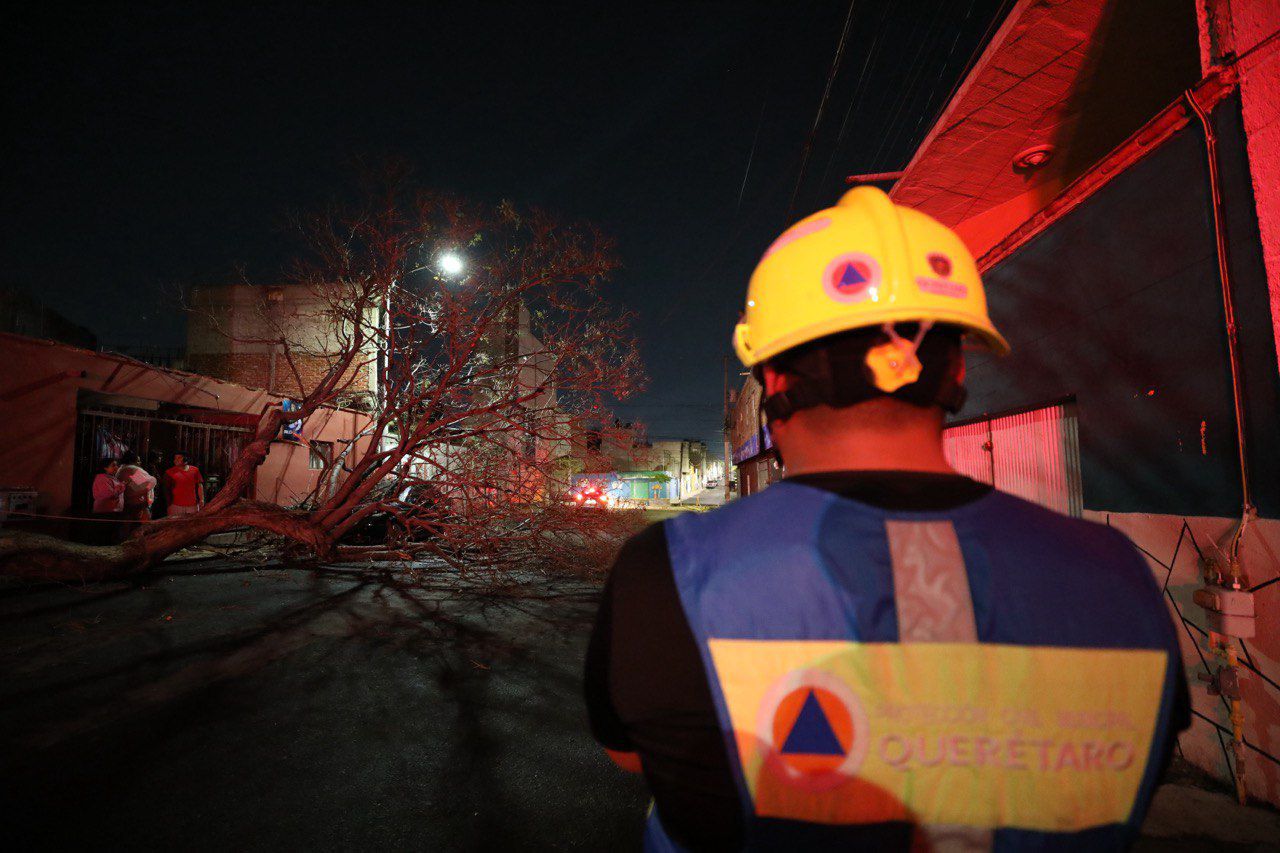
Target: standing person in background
pixel 184 487
pixel 139 490
pixel 108 503
pixel 160 504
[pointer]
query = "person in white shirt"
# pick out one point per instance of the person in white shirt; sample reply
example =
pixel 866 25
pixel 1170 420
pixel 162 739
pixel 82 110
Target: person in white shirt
pixel 139 490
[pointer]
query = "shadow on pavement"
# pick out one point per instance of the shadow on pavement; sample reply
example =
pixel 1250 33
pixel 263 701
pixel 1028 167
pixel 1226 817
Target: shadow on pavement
pixel 224 707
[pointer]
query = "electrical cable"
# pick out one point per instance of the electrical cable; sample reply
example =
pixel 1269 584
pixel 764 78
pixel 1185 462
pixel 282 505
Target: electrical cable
pixel 683 296
pixel 996 20
pixel 822 103
pixel 912 71
pixel 752 156
pixel 946 63
pixel 858 91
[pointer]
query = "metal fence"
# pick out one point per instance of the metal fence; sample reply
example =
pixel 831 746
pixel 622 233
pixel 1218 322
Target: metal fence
pixel 1034 454
pixel 110 432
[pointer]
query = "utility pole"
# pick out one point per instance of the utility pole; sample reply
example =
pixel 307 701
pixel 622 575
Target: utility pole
pixel 680 470
pixel 728 450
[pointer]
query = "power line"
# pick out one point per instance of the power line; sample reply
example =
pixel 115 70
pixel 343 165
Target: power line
pixel 822 104
pixel 858 90
pixel 942 70
pixel 913 70
pixel 752 156
pixel 973 58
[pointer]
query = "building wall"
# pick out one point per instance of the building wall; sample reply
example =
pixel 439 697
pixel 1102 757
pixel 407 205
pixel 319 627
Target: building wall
pixel 232 334
pixel 756 473
pixel 1245 25
pixel 673 457
pixel 1118 307
pixel 752 457
pixel 746 413
pixel 264 370
pixel 1173 546
pixel 39 394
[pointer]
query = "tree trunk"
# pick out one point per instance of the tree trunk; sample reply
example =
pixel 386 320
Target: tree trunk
pixel 35 556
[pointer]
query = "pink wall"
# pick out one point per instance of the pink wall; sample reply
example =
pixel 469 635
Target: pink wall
pixel 1172 545
pixel 1242 27
pixel 39 383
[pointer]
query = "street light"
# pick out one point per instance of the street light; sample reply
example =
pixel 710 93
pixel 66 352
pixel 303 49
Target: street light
pixel 450 263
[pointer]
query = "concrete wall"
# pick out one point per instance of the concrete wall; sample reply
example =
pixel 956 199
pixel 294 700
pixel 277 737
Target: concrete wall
pixel 1173 546
pixel 1128 323
pixel 673 457
pixel 39 391
pixel 1243 26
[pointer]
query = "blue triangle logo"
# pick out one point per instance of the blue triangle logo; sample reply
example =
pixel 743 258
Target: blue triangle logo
pixel 851 276
pixel 812 733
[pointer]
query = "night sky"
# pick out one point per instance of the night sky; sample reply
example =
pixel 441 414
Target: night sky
pixel 148 150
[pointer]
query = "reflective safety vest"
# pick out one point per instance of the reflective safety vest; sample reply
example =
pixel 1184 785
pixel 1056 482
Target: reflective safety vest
pixel 995 676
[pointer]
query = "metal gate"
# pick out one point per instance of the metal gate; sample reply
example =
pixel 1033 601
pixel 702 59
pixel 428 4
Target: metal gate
pixel 1034 454
pixel 110 432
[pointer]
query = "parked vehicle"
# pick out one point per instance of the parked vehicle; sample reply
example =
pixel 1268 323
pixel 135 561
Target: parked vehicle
pixel 384 527
pixel 590 496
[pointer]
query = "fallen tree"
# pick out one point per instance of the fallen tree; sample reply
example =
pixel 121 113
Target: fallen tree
pixel 495 354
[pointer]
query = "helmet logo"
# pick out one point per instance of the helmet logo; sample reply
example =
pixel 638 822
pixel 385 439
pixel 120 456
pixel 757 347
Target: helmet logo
pixel 942 285
pixel 852 277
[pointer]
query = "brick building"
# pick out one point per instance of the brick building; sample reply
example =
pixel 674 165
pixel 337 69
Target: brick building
pixel 234 333
pixel 753 453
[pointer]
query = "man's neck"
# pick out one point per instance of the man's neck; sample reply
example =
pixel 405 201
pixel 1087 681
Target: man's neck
pixel 817 441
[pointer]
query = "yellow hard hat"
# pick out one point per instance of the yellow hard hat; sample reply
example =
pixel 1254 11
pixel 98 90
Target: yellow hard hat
pixel 865 262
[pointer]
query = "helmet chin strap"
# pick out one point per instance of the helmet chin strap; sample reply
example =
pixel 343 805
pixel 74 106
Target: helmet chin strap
pixel 889 369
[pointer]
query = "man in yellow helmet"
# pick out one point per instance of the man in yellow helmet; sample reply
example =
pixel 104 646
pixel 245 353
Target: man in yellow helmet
pixel 877 653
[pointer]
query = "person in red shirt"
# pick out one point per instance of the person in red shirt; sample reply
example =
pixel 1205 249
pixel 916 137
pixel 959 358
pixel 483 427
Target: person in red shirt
pixel 184 487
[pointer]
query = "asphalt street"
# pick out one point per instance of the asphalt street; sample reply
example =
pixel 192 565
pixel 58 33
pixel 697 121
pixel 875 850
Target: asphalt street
pixel 225 708
pixel 220 707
